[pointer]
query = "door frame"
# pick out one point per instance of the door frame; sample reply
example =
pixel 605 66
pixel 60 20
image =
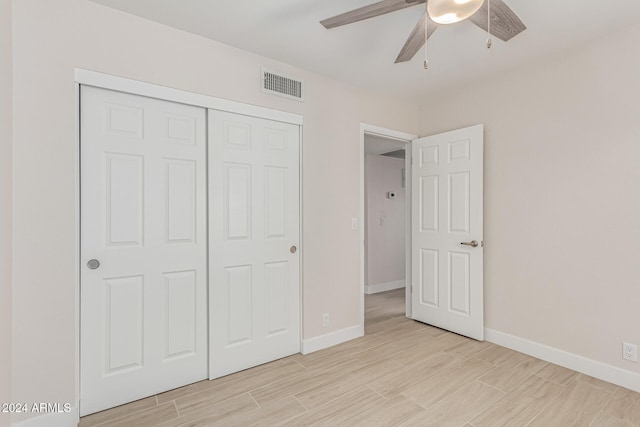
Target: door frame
pixel 83 77
pixel 405 139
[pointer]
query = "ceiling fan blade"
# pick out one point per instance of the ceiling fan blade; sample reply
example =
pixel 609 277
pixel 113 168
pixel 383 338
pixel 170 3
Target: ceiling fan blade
pixel 366 12
pixel 505 24
pixel 415 41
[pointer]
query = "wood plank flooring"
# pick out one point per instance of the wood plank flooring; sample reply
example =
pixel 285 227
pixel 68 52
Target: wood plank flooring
pixel 401 373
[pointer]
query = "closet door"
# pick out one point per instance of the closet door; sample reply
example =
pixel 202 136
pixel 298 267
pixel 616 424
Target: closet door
pixel 143 247
pixel 254 182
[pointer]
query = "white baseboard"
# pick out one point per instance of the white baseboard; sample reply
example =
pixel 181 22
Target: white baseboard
pixel 593 368
pixel 54 419
pixel 331 339
pixel 383 287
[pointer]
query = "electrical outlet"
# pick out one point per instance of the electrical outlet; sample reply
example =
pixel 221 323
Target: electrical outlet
pixel 630 352
pixel 325 320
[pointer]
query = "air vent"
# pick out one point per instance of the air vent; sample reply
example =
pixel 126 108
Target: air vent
pixel 281 85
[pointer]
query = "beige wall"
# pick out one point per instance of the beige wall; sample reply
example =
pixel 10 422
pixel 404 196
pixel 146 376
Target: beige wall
pixel 50 39
pixel 386 220
pixel 6 97
pixel 562 195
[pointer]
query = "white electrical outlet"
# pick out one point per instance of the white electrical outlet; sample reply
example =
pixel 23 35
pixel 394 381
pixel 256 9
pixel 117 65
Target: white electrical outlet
pixel 325 320
pixel 630 352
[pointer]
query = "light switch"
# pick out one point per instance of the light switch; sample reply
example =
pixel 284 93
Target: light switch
pixel 354 223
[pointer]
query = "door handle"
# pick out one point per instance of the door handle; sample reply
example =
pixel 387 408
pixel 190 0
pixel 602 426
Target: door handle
pixel 293 249
pixel 93 264
pixel 473 243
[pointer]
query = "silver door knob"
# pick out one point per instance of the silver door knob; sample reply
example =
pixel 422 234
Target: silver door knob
pixel 473 243
pixel 293 249
pixel 93 264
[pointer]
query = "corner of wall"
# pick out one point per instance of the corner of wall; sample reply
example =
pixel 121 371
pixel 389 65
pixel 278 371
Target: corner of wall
pixel 6 206
pixel 575 362
pixel 537 119
pixel 331 339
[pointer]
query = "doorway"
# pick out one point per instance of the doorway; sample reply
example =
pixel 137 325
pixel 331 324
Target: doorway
pixel 446 205
pixel 385 219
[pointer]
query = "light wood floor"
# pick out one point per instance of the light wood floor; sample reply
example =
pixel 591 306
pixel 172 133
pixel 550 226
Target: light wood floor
pixel 401 373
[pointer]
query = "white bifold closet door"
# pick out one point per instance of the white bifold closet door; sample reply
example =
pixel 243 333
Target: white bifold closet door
pixel 254 211
pixel 143 247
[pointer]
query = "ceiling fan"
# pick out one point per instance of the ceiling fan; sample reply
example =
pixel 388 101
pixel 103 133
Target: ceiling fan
pixel 504 23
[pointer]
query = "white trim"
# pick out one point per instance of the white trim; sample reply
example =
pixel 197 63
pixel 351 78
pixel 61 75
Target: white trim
pixel 408 173
pixel 331 339
pixel 386 133
pixel 107 81
pixel 363 234
pixel 78 253
pixel 54 419
pixel 301 242
pixel 383 287
pixel 593 368
pixel 406 139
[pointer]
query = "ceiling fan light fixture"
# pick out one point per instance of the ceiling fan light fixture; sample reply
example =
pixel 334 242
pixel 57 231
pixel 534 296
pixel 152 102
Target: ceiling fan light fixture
pixel 452 11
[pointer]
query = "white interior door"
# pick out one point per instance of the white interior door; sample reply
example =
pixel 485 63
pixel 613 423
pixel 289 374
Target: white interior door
pixel 143 219
pixel 447 231
pixel 254 235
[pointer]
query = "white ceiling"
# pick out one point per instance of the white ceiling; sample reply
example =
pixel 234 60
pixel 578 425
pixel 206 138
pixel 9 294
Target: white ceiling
pixel 363 53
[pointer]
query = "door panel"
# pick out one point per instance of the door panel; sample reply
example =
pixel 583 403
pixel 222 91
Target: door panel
pixel 447 277
pixel 429 189
pixel 275 279
pixel 275 193
pixel 124 334
pixel 255 220
pixel 429 293
pixel 237 201
pixel 125 183
pixel 143 217
pixel 239 289
pixel 181 201
pixel 180 304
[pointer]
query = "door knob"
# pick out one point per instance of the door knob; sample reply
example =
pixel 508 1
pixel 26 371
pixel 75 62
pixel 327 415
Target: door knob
pixel 93 264
pixel 473 243
pixel 293 249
